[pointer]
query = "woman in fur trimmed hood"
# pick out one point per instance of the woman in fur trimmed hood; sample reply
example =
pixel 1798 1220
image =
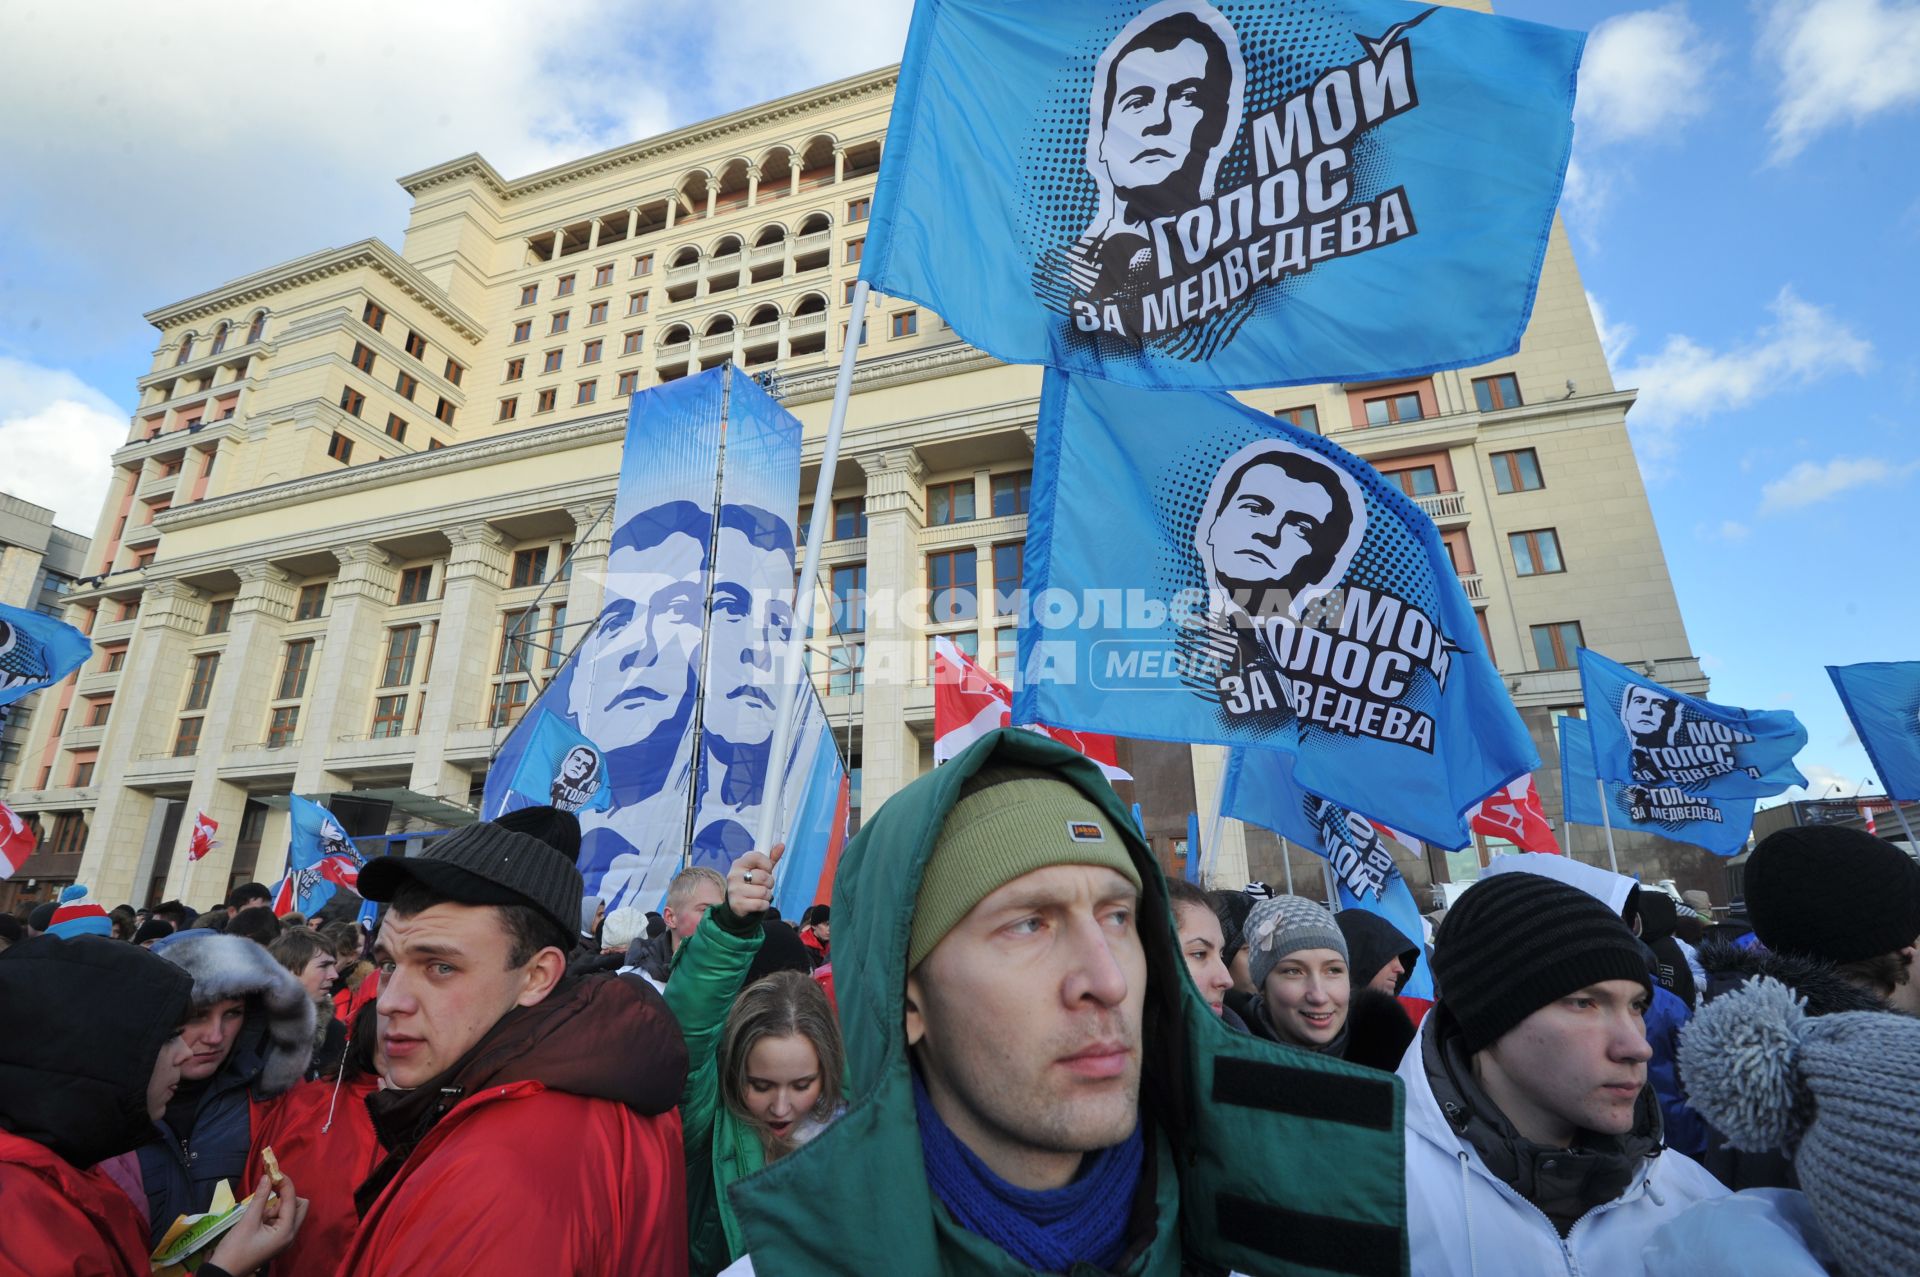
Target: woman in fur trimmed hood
pixel 251 1032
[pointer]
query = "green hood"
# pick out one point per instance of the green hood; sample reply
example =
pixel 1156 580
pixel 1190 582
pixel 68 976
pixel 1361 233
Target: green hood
pixel 1271 1160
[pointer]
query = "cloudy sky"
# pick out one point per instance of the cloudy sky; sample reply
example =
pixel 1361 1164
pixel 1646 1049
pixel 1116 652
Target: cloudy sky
pixel 1743 206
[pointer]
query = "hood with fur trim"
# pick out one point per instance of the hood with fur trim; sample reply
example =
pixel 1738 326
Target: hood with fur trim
pixel 1827 992
pixel 231 967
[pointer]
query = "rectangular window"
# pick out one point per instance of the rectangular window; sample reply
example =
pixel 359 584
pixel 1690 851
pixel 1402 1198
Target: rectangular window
pixel 312 602
pixel 856 249
pixel 516 633
pixel 98 711
pixel 1415 481
pixel 557 632
pixel 508 408
pixel 516 369
pixel 529 294
pixel 1012 493
pixel 560 320
pixel 200 686
pixel 857 210
pixel 116 658
pixel 546 400
pixel 590 354
pixel 529 567
pixel 863 334
pixel 509 702
pixel 846 673
pixel 416 344
pixel 434 445
pixel 1006 577
pixel 906 323
pixel 293 671
pixel 849 598
pixel 282 726
pixel 552 362
pixel 82 772
pixel 362 357
pixel 950 502
pixel 352 400
pixel 846 292
pixel 636 303
pixel 372 316
pixel 219 616
pixel 416 584
pixel 586 392
pixel 849 518
pixel 1495 393
pixel 1306 417
pixel 1517 471
pixel 1555 645
pixel 455 372
pixel 389 716
pixel 1536 553
pixel 1393 408
pixel 603 275
pixel 443 412
pixel 563 287
pixel 629 383
pixel 1006 652
pixel 403 641
pixel 397 426
pixel 340 448
pixel 951 580
pixel 186 738
pixel 630 344
pixel 643 264
pixel 523 330
pixel 597 313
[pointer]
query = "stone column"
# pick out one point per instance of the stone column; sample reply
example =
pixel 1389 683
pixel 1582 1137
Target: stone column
pixel 839 171
pixel 469 620
pixel 793 188
pixel 559 238
pixel 753 185
pixel 350 657
pixel 673 209
pixel 896 619
pixel 120 851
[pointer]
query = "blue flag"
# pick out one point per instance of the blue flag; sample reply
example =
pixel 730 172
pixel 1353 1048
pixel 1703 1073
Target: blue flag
pixel 1395 903
pixel 1231 194
pixel 1654 736
pixel 1193 847
pixel 1241 582
pixel 559 767
pixel 1883 700
pixel 320 858
pixel 809 797
pixel 1721 825
pixel 36 651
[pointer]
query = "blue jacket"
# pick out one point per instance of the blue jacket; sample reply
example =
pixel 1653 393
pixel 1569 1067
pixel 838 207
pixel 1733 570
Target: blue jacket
pixel 180 1173
pixel 1686 1129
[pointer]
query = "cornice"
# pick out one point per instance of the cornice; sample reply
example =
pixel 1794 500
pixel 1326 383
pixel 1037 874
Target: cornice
pixel 369 254
pixel 474 165
pixel 945 360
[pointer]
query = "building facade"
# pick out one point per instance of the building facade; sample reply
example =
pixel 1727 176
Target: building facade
pixel 364 504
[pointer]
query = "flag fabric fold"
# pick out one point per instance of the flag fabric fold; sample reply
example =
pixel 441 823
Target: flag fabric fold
pixel 1882 700
pixel 1513 813
pixel 320 859
pixel 201 840
pixel 36 651
pixel 16 842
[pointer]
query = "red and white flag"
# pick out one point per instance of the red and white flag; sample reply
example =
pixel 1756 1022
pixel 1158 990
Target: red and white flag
pixel 200 841
pixel 1515 814
pixel 1866 814
pixel 16 842
pixel 968 703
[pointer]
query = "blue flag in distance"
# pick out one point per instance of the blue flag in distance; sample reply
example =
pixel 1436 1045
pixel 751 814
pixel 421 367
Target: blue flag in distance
pixel 36 651
pixel 1882 699
pixel 1720 825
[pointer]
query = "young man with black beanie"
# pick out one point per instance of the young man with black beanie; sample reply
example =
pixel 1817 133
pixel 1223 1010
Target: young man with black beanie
pixel 530 1124
pixel 1534 1144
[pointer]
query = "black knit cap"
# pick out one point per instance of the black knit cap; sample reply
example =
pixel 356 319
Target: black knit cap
pixel 489 863
pixel 1832 893
pixel 1514 942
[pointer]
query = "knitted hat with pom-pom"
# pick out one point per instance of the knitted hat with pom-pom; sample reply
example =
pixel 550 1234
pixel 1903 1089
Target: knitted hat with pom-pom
pixel 78 916
pixel 1839 1094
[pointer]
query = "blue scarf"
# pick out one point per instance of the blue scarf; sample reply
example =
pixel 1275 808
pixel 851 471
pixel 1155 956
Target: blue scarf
pixel 1048 1230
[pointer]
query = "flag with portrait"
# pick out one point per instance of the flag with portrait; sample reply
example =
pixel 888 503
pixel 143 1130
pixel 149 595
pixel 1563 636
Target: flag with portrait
pixel 36 651
pixel 1720 825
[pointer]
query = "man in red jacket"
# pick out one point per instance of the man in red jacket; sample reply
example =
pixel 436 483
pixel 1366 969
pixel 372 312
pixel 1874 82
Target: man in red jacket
pixel 531 1125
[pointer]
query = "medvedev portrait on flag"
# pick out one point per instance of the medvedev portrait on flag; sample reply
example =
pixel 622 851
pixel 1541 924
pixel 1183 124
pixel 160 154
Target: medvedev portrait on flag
pixel 580 778
pixel 1279 528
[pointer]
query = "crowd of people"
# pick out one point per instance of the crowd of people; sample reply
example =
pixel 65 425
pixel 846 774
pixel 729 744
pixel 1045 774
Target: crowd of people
pixel 1037 1056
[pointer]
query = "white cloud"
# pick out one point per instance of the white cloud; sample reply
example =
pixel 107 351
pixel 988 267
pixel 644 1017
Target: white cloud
pixel 1733 530
pixel 55 433
pixel 1822 782
pixel 1614 338
pixel 1812 482
pixel 1686 381
pixel 1642 75
pixel 1839 61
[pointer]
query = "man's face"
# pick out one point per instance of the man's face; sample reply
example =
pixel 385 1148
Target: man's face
pixel 322 970
pixel 749 620
pixel 577 767
pixel 165 1079
pixel 1157 105
pixel 1306 995
pixel 444 982
pixel 824 930
pixel 210 1033
pixel 1268 526
pixel 682 922
pixel 1575 1064
pixel 1026 1020
pixel 1642 713
pixel 1387 978
pixel 634 667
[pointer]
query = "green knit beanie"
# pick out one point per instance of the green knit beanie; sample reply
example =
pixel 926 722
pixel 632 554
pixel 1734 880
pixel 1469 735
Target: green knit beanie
pixel 1009 821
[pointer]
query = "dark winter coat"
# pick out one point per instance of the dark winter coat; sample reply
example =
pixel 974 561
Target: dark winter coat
pixel 1376 1034
pixel 186 1157
pixel 1372 942
pixel 653 955
pixel 89 1017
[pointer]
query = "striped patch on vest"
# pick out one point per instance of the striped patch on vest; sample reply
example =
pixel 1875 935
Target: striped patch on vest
pixel 1312 1241
pixel 1324 1097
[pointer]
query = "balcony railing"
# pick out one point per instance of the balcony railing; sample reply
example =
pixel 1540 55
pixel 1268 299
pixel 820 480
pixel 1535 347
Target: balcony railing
pixel 687 274
pixel 1443 505
pixel 801 325
pixel 1475 586
pixel 764 253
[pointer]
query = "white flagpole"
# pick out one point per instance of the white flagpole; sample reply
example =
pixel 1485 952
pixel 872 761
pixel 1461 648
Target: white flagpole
pixel 1286 861
pixel 1210 854
pixel 1333 894
pixel 1613 861
pixel 792 662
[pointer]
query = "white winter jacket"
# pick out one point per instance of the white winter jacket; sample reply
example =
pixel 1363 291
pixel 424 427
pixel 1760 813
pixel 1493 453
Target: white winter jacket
pixel 1462 1221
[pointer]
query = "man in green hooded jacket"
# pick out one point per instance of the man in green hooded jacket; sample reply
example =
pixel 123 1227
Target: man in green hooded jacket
pixel 1034 1084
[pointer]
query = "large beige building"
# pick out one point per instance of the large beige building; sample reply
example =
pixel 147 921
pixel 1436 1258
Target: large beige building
pixel 331 556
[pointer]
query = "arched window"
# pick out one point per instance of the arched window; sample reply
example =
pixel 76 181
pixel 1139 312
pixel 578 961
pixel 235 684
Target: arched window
pixel 219 340
pixel 719 325
pixel 258 328
pixel 186 350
